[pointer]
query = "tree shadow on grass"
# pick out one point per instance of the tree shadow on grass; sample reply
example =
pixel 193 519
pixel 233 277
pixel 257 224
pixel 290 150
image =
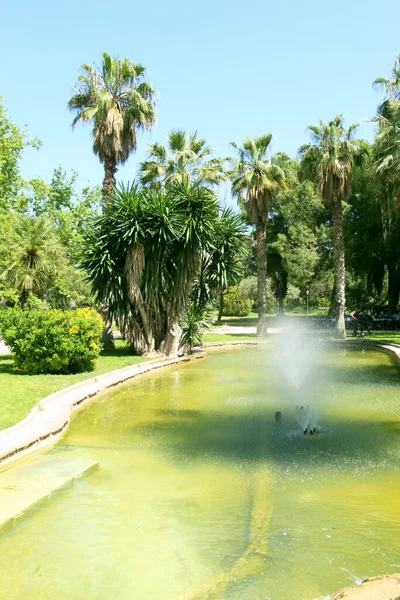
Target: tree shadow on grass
pixel 7 365
pixel 118 351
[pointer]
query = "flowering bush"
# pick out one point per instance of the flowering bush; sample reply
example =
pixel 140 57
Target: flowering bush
pixel 52 341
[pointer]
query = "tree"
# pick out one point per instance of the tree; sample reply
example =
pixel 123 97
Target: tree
pixel 294 238
pixel 184 155
pixel 142 256
pixel 330 157
pixel 71 212
pixel 391 85
pixel 364 259
pixel 222 265
pixel 255 180
pixel 12 143
pixel 118 101
pixel 386 168
pixel 34 256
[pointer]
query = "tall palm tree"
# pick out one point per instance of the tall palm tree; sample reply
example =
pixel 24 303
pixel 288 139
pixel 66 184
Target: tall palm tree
pixel 330 157
pixel 37 256
pixel 118 101
pixel 255 180
pixel 391 85
pixel 184 156
pixel 386 169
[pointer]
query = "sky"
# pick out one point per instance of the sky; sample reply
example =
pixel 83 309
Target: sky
pixel 227 69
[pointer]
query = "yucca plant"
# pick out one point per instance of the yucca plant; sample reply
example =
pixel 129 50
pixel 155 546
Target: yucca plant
pixel 142 256
pixel 195 323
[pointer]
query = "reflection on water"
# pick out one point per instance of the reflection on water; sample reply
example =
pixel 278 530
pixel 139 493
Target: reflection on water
pixel 202 495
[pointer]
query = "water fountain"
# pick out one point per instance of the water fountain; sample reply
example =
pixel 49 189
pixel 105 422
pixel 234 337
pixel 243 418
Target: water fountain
pixel 299 380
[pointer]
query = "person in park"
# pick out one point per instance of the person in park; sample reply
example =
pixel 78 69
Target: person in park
pixel 360 323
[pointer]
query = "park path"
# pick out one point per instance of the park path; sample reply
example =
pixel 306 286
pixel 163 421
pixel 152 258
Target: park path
pixel 241 330
pixel 3 348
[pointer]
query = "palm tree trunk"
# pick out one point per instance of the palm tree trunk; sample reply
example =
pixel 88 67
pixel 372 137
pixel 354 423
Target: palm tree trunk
pixel 281 310
pixel 261 244
pixel 340 267
pixel 107 337
pixel 220 306
pixel 170 344
pixel 332 304
pixel 110 168
pixel 393 286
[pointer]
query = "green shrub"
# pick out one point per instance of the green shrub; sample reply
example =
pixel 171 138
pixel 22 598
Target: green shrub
pixel 52 341
pixel 299 310
pixel 235 305
pixel 195 323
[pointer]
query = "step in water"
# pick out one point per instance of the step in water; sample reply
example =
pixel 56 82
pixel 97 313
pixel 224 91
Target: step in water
pixel 26 485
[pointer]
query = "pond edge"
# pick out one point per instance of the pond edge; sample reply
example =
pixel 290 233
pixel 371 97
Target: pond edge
pixel 47 422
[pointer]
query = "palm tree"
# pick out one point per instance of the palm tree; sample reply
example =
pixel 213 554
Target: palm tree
pixel 392 84
pixel 255 180
pixel 37 256
pixel 184 156
pixel 118 101
pixel 387 145
pixel 386 169
pixel 330 157
pixel 222 265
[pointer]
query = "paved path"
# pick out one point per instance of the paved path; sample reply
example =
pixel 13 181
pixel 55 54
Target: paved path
pixel 241 330
pixel 3 348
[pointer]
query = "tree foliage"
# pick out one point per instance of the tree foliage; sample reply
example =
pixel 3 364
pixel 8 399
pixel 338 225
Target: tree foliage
pixel 118 102
pixel 183 156
pixel 142 256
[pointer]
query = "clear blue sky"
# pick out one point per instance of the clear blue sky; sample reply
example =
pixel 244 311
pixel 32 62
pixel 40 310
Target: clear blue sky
pixel 228 69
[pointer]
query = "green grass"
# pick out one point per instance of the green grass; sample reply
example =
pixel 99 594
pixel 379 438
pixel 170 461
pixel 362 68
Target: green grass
pixel 390 338
pixel 229 337
pixel 20 393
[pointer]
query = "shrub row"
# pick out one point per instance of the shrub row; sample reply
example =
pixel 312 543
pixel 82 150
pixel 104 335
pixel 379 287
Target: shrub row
pixel 52 341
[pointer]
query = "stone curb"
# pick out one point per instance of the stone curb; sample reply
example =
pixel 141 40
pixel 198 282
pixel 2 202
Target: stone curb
pixel 386 587
pixel 48 420
pixel 391 349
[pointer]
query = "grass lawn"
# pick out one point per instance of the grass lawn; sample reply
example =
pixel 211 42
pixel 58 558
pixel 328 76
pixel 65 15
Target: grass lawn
pixel 230 337
pixel 381 336
pixel 19 393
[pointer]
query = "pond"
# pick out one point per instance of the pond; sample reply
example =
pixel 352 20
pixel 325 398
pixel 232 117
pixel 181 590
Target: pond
pixel 201 494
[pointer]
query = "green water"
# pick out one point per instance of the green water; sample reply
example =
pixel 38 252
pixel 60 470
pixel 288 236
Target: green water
pixel 201 495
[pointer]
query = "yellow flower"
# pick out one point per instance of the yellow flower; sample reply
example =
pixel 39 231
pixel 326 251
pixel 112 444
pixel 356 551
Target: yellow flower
pixel 74 329
pixel 93 346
